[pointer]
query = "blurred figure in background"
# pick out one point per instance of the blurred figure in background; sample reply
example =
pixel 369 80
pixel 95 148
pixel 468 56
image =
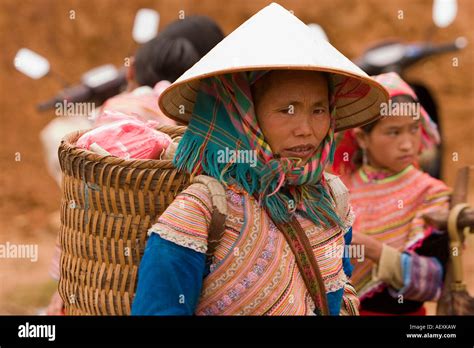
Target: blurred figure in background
pixel 404 258
pixel 156 64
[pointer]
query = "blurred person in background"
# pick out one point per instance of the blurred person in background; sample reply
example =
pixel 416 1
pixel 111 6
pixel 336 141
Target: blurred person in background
pixel 158 63
pixel 404 258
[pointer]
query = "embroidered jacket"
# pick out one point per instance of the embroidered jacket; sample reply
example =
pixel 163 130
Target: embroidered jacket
pixel 254 271
pixel 413 255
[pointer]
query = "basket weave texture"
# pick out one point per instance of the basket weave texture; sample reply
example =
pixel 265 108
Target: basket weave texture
pixel 107 206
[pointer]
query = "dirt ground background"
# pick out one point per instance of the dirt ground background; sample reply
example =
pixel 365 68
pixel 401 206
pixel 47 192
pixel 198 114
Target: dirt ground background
pixel 101 33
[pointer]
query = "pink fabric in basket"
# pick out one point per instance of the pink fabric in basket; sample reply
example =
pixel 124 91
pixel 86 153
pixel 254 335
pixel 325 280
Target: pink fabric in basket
pixel 127 138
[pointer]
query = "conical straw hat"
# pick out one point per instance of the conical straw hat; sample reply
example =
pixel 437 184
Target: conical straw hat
pixel 274 39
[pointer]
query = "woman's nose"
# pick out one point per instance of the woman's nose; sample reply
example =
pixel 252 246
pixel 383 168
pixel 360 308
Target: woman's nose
pixel 302 126
pixel 406 143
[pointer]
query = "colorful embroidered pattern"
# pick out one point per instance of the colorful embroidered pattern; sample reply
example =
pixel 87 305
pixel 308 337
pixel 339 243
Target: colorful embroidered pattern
pixel 307 265
pixel 422 278
pixel 391 211
pixel 254 270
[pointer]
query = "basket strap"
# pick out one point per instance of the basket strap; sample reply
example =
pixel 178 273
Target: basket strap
pixel 219 211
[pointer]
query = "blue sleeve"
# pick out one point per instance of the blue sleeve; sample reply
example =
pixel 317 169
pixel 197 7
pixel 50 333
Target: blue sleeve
pixel 346 261
pixel 335 301
pixel 169 279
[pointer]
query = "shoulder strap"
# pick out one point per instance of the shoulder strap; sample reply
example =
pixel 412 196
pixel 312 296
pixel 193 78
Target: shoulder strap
pixel 307 264
pixel 219 211
pixel 338 192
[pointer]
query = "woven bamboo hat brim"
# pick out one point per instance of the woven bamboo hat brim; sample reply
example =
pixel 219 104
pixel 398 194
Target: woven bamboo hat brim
pixel 274 39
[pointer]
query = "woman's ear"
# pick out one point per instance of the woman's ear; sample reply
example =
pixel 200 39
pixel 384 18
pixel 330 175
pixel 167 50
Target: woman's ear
pixel 361 138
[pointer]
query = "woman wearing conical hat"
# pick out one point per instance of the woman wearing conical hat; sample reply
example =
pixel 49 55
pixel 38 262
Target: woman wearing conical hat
pixel 405 258
pixel 262 108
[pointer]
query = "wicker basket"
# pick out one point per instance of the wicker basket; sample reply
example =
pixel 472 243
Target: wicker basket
pixel 107 206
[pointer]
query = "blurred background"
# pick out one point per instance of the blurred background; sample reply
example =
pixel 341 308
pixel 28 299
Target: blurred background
pixel 101 33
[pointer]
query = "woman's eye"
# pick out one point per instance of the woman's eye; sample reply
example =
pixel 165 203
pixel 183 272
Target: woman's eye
pixel 393 133
pixel 414 129
pixel 319 111
pixel 288 111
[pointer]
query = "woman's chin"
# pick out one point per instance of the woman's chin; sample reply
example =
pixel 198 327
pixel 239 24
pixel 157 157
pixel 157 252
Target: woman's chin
pixel 299 161
pixel 399 167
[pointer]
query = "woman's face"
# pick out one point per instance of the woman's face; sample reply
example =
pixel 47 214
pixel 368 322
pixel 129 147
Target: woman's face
pixel 393 143
pixel 292 110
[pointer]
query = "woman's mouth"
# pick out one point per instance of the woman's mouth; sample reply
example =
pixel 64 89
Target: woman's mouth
pixel 406 159
pixel 301 151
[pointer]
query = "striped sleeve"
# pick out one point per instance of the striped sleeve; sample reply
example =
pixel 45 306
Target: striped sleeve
pixel 422 278
pixel 186 220
pixel 436 199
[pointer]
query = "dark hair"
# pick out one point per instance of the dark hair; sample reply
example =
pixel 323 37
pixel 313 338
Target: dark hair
pixel 177 48
pixel 397 99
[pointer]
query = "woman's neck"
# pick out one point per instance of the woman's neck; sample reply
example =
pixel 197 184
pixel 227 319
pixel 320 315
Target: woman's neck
pixel 373 173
